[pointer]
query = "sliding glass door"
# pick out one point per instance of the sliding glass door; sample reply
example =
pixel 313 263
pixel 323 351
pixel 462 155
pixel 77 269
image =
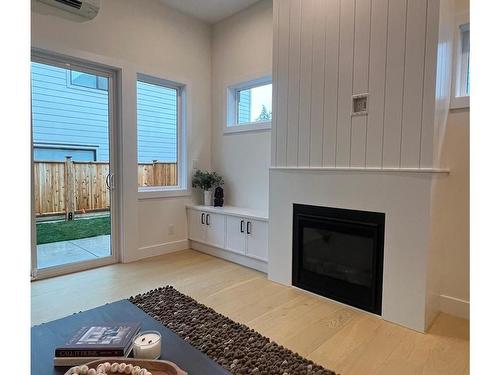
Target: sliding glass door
pixel 73 163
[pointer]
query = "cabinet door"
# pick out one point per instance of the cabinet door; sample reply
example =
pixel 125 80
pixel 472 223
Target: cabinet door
pixel 197 230
pixel 236 237
pixel 216 226
pixel 257 239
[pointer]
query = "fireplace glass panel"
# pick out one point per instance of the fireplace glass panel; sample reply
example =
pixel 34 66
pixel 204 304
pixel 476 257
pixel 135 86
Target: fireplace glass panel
pixel 339 255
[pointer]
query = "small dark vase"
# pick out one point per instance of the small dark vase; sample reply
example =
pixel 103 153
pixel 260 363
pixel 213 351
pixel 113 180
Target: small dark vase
pixel 219 197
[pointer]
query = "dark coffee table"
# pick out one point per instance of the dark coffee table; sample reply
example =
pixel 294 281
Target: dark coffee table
pixel 45 337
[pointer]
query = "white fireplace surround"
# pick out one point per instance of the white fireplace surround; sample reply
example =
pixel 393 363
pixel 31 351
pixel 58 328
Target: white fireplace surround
pixel 410 278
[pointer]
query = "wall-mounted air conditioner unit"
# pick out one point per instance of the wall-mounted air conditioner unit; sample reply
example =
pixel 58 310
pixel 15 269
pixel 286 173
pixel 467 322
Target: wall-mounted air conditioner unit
pixel 84 8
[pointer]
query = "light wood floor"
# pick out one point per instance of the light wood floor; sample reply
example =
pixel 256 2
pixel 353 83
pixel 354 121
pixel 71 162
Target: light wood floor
pixel 340 338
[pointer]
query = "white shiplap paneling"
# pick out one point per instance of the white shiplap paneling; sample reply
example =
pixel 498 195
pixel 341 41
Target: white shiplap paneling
pixel 346 54
pixel 331 81
pixel 429 104
pixel 328 50
pixel 282 75
pixel 360 79
pixel 394 85
pixel 413 84
pixel 377 74
pixel 292 148
pixel 318 84
pixel 276 68
pixel 306 44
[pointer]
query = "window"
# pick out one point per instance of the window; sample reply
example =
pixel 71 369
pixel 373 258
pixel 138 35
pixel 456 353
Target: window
pixel 249 106
pixel 88 80
pixel 60 152
pixel 461 81
pixel 159 135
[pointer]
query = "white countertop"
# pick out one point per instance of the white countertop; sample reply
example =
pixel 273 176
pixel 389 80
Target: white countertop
pixel 233 211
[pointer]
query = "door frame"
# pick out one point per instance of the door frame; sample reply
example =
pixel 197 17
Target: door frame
pixel 86 66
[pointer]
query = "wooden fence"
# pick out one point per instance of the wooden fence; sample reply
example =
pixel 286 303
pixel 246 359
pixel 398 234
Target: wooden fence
pixel 73 186
pixel 157 174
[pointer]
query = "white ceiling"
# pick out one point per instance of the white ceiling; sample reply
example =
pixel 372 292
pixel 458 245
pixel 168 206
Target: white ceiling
pixel 210 11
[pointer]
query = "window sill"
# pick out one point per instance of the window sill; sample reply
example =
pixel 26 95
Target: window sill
pixel 460 102
pixel 251 127
pixel 155 193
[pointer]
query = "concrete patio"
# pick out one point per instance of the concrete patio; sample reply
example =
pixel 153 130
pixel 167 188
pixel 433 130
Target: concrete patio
pixel 65 252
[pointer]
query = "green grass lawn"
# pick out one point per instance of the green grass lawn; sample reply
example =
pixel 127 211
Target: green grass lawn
pixel 72 230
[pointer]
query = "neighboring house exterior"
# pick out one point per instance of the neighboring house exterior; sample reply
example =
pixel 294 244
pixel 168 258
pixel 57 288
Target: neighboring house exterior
pixel 70 117
pixel 245 105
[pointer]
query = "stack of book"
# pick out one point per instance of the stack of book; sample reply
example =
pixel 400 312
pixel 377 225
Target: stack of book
pixel 94 342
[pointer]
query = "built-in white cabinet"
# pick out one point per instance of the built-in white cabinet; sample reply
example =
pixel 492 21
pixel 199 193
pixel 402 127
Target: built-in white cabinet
pixel 237 231
pixel 215 224
pixel 247 236
pixel 206 227
pixel 236 236
pixel 257 239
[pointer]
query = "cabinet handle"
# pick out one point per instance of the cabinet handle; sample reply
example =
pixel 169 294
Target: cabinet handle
pixel 208 219
pixel 249 227
pixel 242 223
pixel 203 218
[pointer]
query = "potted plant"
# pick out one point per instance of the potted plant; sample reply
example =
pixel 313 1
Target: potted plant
pixel 207 181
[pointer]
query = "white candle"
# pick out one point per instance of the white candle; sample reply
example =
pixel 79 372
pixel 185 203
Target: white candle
pixel 147 345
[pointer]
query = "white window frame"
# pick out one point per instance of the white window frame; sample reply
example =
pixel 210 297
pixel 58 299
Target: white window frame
pixel 232 125
pixel 458 97
pixel 181 189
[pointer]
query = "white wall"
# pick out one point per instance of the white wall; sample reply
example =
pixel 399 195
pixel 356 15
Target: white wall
pixel 451 217
pixel 241 51
pixel 147 37
pixel 328 50
pixel 449 257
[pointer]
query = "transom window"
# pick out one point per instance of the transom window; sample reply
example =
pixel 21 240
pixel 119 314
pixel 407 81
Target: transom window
pixel 88 80
pixel 249 105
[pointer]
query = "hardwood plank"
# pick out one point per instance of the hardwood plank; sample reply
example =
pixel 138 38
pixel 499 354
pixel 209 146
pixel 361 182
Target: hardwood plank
pixel 336 336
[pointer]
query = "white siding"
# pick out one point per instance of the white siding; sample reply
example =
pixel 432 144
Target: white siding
pixel 67 115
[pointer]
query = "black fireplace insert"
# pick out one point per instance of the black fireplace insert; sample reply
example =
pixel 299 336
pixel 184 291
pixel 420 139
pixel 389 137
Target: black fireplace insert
pixel 339 254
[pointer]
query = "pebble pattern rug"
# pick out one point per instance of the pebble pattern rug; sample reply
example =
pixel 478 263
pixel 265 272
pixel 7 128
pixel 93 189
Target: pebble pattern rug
pixel 232 345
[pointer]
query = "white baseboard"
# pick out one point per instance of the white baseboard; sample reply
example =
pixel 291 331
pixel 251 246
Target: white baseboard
pixel 158 249
pixel 256 264
pixel 454 306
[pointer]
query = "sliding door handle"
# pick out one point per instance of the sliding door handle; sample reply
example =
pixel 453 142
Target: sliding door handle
pixel 110 181
pixel 203 218
pixel 242 224
pixel 208 219
pixel 249 227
